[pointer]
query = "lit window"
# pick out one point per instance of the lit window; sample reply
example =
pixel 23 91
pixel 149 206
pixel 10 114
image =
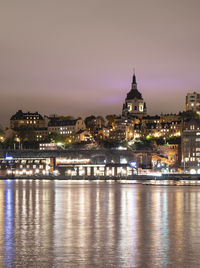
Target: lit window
pixel 141 108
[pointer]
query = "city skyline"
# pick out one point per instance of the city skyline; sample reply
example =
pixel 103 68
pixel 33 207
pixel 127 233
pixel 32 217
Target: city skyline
pixel 100 133
pixel 78 59
pixel 120 113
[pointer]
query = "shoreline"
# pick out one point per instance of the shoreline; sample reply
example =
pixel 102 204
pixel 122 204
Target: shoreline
pixel 163 178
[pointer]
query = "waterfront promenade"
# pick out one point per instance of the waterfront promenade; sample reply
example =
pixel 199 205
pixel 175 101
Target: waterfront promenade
pixel 83 165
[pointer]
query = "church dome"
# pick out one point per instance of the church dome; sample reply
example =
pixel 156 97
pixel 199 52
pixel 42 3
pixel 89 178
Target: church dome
pixel 134 93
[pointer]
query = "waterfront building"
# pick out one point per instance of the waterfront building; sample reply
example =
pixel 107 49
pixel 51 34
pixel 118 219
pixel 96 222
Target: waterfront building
pixel 134 104
pixel 25 165
pixel 190 147
pixel 72 163
pixel 160 163
pixel 174 156
pixel 192 102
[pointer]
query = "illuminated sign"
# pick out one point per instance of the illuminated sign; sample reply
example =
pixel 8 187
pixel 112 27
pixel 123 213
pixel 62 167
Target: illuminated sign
pixel 72 161
pixel 132 164
pixel 9 158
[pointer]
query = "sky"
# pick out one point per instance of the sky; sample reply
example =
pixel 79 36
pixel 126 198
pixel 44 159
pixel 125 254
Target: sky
pixel 75 57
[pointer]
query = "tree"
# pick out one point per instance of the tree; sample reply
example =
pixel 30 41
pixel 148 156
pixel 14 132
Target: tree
pixel 56 137
pixel 66 118
pixel 101 121
pixel 26 133
pixel 111 118
pixel 89 121
pixel 2 135
pixel 189 115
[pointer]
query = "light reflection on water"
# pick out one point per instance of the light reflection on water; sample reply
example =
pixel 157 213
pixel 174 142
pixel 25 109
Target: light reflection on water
pixel 77 224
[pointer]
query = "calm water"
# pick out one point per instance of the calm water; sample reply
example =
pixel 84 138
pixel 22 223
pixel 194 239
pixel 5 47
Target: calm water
pixel 75 224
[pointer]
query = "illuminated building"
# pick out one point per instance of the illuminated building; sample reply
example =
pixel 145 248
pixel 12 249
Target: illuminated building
pixel 159 162
pixel 72 163
pixel 93 123
pixel 67 127
pixel 105 133
pixel 41 134
pixel 26 166
pixel 117 135
pixel 81 136
pixel 33 123
pixel 32 120
pixel 190 146
pixel 193 102
pixel 49 146
pixel 137 131
pixel 162 126
pixel 122 129
pixel 174 155
pixel 134 104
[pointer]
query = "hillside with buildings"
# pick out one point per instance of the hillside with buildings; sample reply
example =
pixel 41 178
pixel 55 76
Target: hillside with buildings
pixel 172 140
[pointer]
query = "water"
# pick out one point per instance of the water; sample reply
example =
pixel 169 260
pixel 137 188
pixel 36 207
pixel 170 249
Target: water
pixel 77 224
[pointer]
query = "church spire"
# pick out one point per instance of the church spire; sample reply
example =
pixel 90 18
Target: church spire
pixel 134 83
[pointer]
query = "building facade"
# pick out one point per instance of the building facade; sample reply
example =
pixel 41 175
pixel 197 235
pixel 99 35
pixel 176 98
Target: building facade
pixel 192 102
pixel 21 119
pixel 66 127
pixel 190 147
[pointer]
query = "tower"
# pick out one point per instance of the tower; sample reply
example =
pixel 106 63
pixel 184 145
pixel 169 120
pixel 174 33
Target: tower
pixel 134 104
pixel 193 102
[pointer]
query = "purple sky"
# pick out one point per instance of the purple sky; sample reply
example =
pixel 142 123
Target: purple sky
pixel 77 57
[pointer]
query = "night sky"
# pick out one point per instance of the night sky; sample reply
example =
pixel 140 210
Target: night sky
pixel 77 57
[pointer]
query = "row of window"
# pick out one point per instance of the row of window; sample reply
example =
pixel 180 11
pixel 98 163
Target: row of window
pixel 36 161
pixel 65 132
pixel 32 117
pixel 192 159
pixel 34 166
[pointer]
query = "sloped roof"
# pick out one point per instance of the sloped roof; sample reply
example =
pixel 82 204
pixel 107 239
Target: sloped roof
pixel 134 93
pixel 22 116
pixel 55 122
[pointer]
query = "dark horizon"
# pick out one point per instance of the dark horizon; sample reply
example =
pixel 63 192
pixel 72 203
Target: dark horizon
pixel 78 58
